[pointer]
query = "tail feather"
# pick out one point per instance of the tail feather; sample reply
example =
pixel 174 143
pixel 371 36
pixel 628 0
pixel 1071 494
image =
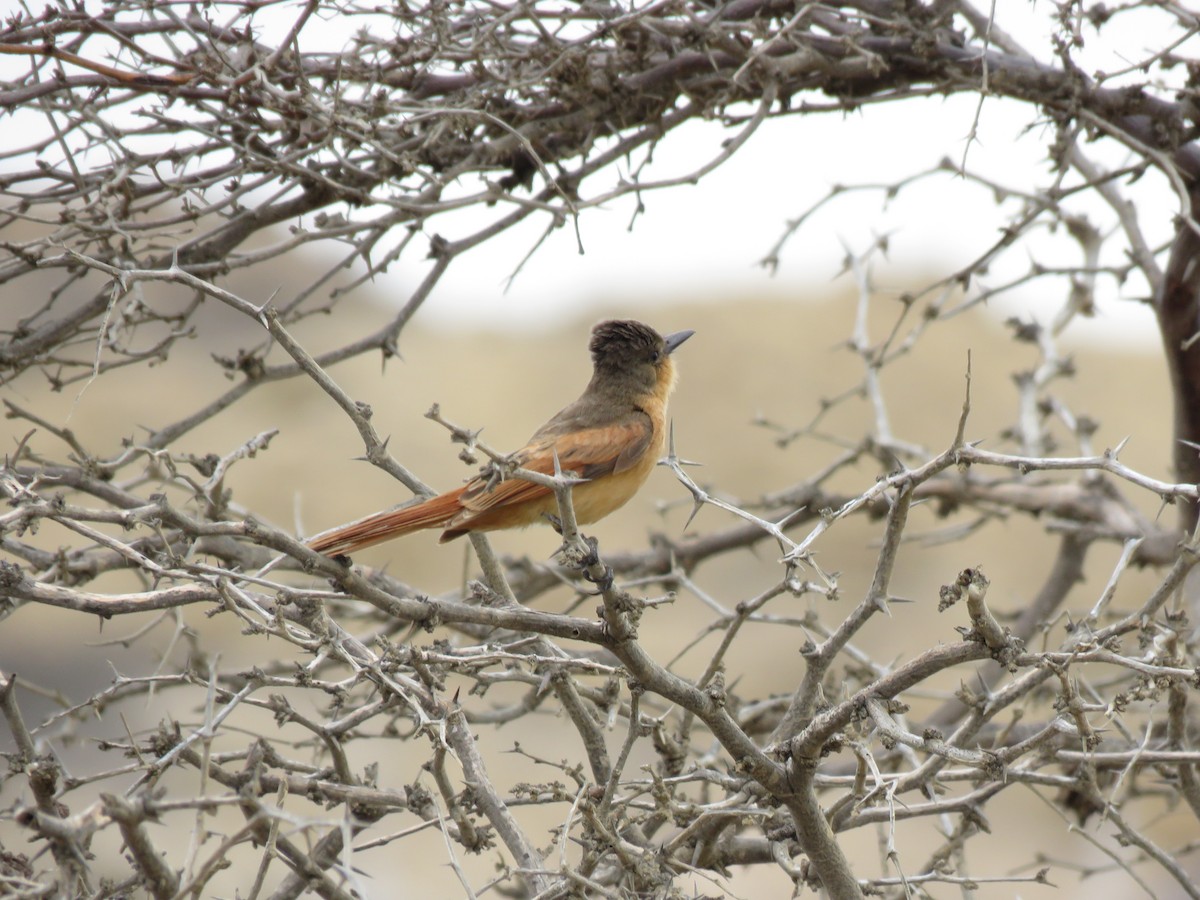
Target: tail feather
pixel 383 526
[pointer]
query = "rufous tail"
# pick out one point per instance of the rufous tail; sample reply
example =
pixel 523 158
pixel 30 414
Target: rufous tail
pixel 383 526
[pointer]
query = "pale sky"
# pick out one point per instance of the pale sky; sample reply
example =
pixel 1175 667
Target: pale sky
pixel 693 239
pixel 714 234
pixel 698 239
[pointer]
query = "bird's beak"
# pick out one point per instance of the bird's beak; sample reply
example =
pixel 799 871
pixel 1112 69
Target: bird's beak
pixel 676 338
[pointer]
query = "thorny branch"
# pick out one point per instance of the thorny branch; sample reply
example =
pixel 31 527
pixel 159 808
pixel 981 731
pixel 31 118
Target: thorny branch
pixel 165 150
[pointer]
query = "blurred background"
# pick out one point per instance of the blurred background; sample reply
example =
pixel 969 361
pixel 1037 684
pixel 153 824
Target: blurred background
pixel 757 355
pixel 502 353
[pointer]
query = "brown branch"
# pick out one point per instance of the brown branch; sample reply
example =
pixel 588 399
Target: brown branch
pixel 1178 307
pixel 131 79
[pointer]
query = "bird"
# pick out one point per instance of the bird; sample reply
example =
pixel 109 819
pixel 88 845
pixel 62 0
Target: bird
pixel 610 439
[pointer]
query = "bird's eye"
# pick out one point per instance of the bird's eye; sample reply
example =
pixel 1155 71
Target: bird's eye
pixel 655 356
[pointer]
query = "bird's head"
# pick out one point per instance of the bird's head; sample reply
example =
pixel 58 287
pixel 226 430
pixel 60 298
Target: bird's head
pixel 634 358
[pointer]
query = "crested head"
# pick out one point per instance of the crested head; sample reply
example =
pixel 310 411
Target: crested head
pixel 632 357
pixel 619 339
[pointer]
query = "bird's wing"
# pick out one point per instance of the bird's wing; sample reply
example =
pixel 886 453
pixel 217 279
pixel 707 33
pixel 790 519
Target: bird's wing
pixel 589 453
